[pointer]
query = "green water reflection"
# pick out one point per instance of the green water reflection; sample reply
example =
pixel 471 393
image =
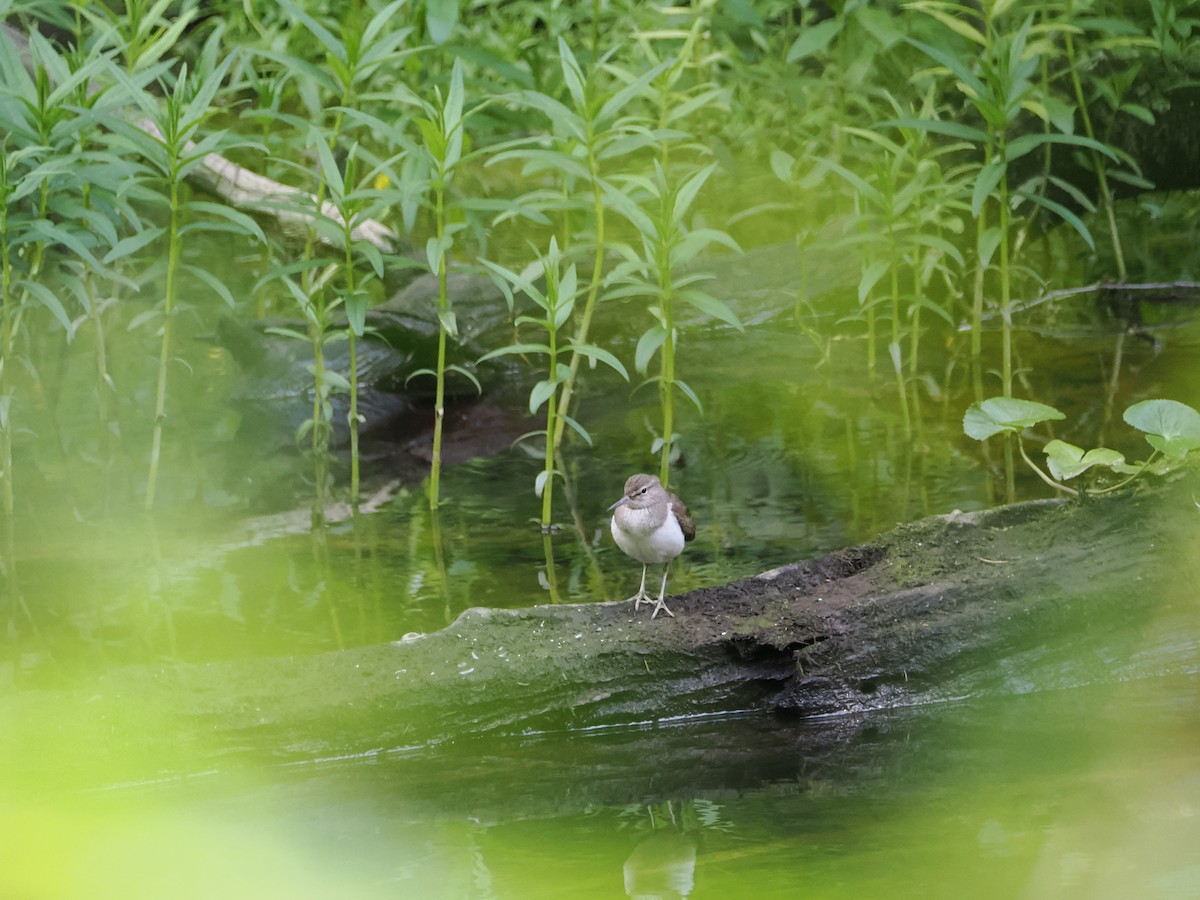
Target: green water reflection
pixel 1092 793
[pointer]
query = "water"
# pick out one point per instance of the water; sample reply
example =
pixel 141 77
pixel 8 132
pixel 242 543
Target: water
pixel 1083 794
pixel 1088 794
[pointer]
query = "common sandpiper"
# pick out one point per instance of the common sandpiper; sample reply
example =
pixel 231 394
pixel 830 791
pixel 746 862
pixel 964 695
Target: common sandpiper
pixel 651 525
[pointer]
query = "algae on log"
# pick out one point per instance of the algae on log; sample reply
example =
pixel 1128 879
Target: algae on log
pixel 1033 596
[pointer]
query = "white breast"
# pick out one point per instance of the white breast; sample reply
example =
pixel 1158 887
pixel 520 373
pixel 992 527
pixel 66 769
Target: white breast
pixel 636 534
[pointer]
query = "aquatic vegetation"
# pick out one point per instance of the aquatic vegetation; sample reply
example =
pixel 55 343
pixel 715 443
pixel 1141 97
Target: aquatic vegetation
pixel 932 150
pixel 555 304
pixel 1171 428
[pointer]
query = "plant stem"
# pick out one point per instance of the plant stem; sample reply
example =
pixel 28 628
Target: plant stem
pixel 320 433
pixel 567 389
pixel 1042 475
pixel 353 373
pixel 548 465
pixel 1097 162
pixel 174 249
pixel 977 304
pixel 439 403
pixel 1145 467
pixel 7 341
pixel 897 363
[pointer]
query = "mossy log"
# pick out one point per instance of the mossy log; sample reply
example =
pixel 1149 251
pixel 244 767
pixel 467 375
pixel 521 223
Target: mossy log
pixel 1043 595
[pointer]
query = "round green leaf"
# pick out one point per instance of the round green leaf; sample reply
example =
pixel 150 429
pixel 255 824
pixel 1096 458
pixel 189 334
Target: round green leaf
pixel 1170 426
pixel 1065 460
pixel 997 414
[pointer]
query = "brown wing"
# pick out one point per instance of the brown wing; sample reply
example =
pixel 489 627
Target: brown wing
pixel 686 525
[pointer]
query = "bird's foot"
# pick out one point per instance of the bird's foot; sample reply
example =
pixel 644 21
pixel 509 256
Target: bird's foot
pixel 639 598
pixel 660 606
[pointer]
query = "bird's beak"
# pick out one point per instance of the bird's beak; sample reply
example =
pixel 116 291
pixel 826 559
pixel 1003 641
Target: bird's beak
pixel 618 503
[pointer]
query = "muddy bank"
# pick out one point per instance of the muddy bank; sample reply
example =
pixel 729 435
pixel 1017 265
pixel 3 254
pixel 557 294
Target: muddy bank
pixel 1029 597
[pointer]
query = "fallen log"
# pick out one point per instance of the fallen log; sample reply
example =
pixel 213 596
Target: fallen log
pixel 1042 595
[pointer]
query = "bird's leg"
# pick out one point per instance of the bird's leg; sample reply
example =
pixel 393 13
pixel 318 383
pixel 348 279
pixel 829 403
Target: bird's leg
pixel 660 605
pixel 641 596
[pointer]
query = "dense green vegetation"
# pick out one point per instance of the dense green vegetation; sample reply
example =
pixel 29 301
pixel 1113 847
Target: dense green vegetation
pixel 584 155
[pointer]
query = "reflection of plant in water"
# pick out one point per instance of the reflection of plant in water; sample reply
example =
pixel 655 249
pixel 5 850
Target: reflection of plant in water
pixel 690 815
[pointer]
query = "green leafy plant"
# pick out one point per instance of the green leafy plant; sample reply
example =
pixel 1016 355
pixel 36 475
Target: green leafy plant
pixel 996 73
pixel 171 147
pixel 1171 428
pixel 906 197
pixel 332 296
pixel 555 304
pixel 441 122
pixel 591 136
pixel 659 208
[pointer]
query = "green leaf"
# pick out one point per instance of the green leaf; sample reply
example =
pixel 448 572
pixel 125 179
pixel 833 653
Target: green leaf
pixel 132 244
pixel 414 374
pixel 814 39
pixel 336 380
pixel 1065 461
pixel 997 414
pixel 1171 427
pixel 1063 213
pixel 988 241
pixel 647 346
pixel 697 240
pixel 578 429
pixel 540 393
pixel 688 191
pixel 939 126
pixel 957 23
pixel 961 67
pixel 781 165
pixel 435 252
pixel 213 282
pixel 985 183
pixel 614 104
pixel 440 18
pixel 602 355
pixel 467 374
pixel 452 114
pixel 246 226
pixel 331 174
pixel 686 390
pixel 517 350
pixel 356 312
pixel 573 76
pixel 870 278
pixel 448 321
pixel 48 299
pixel 287 333
pixel 711 306
pixel 1024 144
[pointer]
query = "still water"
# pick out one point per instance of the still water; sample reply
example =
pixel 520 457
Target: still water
pixel 1083 794
pixel 1089 793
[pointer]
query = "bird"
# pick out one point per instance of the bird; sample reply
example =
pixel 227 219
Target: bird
pixel 651 525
